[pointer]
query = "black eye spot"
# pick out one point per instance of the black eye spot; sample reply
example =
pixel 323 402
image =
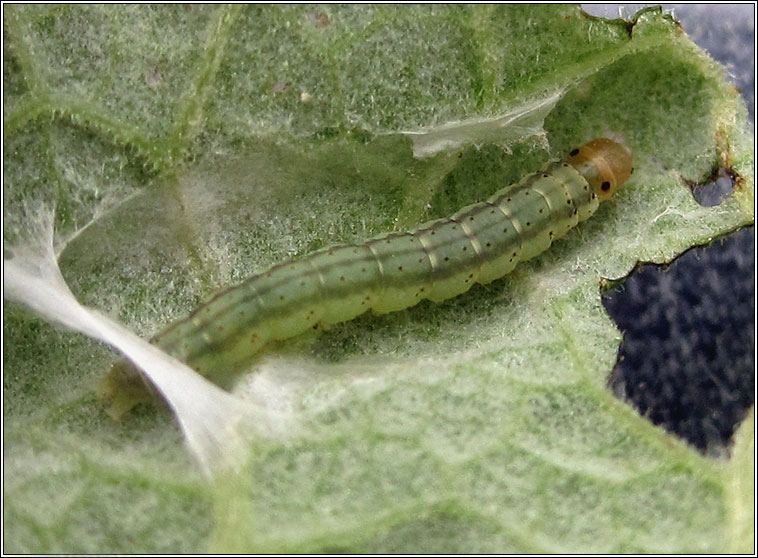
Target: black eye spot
pixel 605 186
pixel 574 152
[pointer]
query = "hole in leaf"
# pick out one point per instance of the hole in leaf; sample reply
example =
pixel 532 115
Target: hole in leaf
pixel 687 358
pixel 716 189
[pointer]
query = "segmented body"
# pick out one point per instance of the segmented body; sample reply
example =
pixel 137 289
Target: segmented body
pixel 436 261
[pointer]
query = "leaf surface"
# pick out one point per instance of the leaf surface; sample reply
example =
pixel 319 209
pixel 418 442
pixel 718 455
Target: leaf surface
pixel 180 149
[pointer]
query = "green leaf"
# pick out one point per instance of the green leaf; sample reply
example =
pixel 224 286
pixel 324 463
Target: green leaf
pixel 180 149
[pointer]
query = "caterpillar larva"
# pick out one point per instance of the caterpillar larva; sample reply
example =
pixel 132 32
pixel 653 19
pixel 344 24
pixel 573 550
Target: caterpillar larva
pixel 438 260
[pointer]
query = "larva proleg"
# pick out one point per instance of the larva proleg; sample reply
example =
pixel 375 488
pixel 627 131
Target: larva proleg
pixel 437 261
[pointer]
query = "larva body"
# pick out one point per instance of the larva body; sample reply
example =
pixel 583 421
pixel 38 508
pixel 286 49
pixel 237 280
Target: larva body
pixel 436 261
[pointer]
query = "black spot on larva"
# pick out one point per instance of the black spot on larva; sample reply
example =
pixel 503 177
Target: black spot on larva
pixel 488 244
pixel 453 227
pixel 507 199
pixel 421 290
pixel 315 326
pixel 541 210
pixel 545 175
pixel 471 218
pixel 420 260
pixel 312 312
pixel 471 276
pixel 514 254
pixel 574 152
pixel 593 195
pixel 505 230
pixel 446 258
pixel 565 164
pixel 464 248
pixel 550 233
pixel 281 297
pixel 568 202
pixel 433 232
pixel 528 223
pixel 387 241
pixel 492 212
pixel 400 268
pixel 605 186
pixel 342 277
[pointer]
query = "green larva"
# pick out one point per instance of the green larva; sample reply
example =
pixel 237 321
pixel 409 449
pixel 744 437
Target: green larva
pixel 436 261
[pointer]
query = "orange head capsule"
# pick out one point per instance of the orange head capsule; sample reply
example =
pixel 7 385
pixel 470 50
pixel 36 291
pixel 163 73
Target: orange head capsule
pixel 605 164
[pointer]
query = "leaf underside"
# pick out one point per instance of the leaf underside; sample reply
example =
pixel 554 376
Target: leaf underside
pixel 180 149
